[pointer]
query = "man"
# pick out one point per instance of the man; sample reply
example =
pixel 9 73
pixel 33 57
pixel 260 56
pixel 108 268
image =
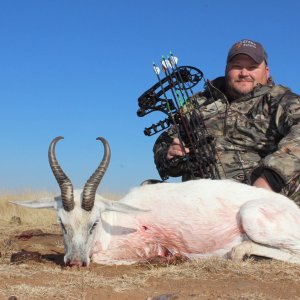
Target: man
pixel 255 125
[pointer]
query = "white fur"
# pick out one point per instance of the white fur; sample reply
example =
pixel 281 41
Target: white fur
pixel 193 219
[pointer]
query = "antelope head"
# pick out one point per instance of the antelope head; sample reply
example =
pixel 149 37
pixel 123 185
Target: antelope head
pixel 79 211
pixel 77 217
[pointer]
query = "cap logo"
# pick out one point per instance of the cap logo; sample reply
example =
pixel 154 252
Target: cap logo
pixel 247 43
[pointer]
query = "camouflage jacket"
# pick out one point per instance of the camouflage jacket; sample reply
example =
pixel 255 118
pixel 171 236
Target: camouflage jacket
pixel 258 131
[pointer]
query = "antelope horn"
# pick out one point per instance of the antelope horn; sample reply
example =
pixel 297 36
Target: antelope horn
pixel 89 190
pixel 62 179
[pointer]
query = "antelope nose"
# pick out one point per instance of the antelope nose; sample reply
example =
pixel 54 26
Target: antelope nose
pixel 76 263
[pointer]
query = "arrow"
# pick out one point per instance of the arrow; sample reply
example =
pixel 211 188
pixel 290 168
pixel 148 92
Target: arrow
pixel 156 69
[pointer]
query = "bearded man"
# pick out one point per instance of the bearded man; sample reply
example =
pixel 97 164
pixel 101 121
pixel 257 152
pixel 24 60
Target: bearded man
pixel 254 125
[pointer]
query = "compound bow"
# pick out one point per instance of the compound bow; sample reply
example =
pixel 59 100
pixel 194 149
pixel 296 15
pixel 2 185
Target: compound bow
pixel 183 114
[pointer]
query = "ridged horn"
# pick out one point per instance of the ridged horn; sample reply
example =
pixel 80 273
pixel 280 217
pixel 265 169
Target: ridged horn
pixel 90 188
pixel 62 179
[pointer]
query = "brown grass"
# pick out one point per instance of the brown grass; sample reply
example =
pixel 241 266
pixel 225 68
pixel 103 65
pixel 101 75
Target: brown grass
pixel 38 217
pixel 68 280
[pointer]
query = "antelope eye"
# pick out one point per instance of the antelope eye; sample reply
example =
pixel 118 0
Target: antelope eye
pixel 93 227
pixel 62 226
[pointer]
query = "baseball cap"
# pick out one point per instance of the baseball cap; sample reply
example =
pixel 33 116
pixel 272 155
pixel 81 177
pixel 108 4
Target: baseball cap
pixel 251 48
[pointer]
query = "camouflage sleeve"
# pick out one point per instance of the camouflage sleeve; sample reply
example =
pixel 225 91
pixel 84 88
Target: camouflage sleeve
pixel 286 160
pixel 166 167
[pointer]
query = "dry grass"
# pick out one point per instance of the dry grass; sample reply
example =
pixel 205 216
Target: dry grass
pixel 205 268
pixel 41 217
pixel 67 280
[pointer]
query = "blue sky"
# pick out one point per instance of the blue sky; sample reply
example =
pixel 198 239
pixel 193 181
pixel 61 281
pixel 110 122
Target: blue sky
pixel 76 68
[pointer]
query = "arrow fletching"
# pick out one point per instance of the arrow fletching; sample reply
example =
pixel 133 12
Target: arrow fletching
pixel 174 61
pixel 156 69
pixel 166 64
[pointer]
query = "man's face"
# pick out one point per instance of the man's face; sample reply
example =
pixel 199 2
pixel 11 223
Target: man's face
pixel 243 74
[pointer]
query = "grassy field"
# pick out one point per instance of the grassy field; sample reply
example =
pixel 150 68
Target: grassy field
pixel 28 216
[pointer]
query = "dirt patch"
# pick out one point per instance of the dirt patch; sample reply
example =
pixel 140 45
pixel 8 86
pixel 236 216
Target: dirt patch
pixel 39 272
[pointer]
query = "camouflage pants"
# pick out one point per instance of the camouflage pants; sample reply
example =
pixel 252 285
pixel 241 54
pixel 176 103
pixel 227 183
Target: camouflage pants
pixel 292 190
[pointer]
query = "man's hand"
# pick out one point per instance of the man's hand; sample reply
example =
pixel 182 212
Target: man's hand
pixel 176 149
pixel 263 183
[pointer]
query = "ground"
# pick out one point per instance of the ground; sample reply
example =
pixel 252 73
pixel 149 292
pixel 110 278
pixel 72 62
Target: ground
pixel 31 267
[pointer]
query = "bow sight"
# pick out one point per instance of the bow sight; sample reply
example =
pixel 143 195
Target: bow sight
pixel 172 95
pixel 180 82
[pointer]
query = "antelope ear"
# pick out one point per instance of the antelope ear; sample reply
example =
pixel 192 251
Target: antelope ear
pixel 120 207
pixel 49 202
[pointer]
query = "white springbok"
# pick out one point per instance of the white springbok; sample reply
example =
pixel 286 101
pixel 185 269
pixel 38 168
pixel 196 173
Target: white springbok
pixel 193 219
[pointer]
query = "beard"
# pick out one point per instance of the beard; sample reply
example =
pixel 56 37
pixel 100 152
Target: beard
pixel 238 88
